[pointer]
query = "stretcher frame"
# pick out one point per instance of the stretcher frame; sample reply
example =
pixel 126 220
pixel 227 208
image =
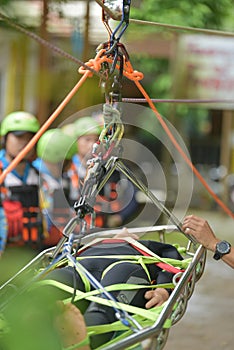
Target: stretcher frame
pixel 180 295
pixel 183 289
pixel 184 286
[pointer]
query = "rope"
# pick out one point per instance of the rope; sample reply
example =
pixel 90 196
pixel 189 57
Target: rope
pixel 93 67
pixel 136 76
pixel 184 28
pixel 48 44
pixel 165 25
pixel 44 127
pixel 143 100
pixel 182 153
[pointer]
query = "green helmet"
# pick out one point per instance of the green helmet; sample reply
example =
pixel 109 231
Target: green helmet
pixel 87 126
pixel 19 121
pixel 55 146
pixel 72 150
pixel 69 129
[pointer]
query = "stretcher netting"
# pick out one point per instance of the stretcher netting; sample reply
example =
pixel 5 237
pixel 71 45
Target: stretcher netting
pixel 153 324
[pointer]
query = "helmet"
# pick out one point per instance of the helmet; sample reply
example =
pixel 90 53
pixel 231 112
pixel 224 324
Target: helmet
pixel 19 121
pixel 55 146
pixel 86 126
pixel 72 150
pixel 69 129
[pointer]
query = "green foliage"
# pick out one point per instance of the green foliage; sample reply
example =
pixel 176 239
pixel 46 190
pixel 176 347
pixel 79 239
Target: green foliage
pixel 203 13
pixel 4 2
pixel 207 14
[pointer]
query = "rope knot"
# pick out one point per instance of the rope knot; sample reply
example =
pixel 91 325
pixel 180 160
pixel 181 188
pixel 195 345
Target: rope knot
pixel 94 63
pixel 134 75
pixel 130 73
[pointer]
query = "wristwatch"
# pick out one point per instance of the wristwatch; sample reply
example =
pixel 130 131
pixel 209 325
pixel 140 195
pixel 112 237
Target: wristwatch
pixel 222 248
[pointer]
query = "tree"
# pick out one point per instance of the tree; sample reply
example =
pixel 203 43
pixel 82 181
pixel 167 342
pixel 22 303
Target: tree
pixel 207 14
pixel 203 13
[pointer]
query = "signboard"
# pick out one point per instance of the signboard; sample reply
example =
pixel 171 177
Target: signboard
pixel 205 69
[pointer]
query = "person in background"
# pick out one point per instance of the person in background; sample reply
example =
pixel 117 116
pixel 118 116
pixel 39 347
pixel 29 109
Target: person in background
pixel 3 229
pixel 19 191
pixel 55 150
pixel 203 233
pixel 86 131
pixel 116 201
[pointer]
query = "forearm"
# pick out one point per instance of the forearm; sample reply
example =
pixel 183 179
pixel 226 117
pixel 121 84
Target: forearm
pixel 227 258
pixel 203 233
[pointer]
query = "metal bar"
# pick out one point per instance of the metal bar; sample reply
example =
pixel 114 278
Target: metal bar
pixel 190 101
pixel 166 312
pixel 140 231
pixel 108 11
pixel 139 184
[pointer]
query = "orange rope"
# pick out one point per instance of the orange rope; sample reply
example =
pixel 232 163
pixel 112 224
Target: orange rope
pixel 44 127
pixel 96 64
pixel 134 75
pixel 179 149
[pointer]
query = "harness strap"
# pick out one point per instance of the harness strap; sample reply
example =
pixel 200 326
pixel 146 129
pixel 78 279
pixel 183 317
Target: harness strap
pixel 93 295
pixel 181 264
pixel 3 189
pixel 139 247
pixel 140 261
pixel 162 265
pixel 144 317
pixel 25 221
pixel 74 176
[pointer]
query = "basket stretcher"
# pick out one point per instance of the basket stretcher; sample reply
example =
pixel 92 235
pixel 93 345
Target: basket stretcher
pixel 153 336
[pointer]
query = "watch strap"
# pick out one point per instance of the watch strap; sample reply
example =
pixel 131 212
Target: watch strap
pixel 219 253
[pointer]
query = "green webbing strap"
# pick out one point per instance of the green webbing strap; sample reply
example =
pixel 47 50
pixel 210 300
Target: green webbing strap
pixel 91 296
pixel 181 250
pixel 54 266
pixel 139 261
pixel 116 287
pixel 84 280
pixel 82 276
pixel 181 264
pixel 125 331
pixel 145 317
pixel 134 243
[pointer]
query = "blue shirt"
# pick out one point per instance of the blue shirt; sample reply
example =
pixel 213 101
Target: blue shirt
pixel 5 163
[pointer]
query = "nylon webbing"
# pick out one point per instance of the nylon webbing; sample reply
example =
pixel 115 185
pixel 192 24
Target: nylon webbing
pixel 163 263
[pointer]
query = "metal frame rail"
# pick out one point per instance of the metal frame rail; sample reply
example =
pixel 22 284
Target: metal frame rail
pixel 180 295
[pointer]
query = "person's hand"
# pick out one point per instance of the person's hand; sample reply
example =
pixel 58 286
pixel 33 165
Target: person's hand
pixel 201 230
pixel 71 325
pixel 124 233
pixel 156 297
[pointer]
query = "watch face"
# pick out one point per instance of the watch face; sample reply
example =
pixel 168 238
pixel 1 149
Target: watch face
pixel 223 247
